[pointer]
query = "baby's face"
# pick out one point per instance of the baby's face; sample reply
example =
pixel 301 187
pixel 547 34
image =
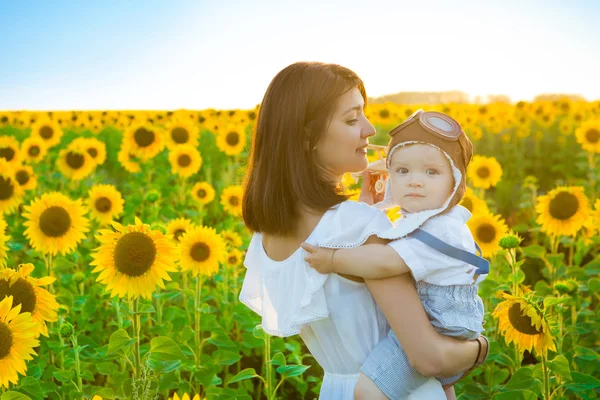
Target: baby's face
pixel 420 177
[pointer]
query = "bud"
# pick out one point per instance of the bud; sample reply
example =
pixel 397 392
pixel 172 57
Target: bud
pixel 569 286
pixel 78 277
pixel 152 196
pixel 66 330
pixel 63 310
pixel 510 241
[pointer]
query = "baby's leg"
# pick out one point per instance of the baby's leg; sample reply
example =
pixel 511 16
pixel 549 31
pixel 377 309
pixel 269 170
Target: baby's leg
pixel 366 389
pixel 450 395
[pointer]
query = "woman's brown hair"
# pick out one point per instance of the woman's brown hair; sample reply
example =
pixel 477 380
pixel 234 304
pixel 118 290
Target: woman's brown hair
pixel 282 169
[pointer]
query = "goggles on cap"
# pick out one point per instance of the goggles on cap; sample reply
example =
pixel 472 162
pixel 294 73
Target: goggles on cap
pixel 441 125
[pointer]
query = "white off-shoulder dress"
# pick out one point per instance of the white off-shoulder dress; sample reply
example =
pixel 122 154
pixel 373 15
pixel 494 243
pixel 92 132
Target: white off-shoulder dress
pixel 337 318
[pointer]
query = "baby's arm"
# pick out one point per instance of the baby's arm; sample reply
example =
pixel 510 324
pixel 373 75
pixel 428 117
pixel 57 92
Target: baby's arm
pixel 371 261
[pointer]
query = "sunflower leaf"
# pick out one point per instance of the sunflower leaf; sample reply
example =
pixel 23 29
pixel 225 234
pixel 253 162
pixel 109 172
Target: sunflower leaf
pixel 10 395
pixel 292 370
pixel 534 251
pixel 560 365
pixel 552 301
pixel 582 382
pixel 165 349
pixel 119 341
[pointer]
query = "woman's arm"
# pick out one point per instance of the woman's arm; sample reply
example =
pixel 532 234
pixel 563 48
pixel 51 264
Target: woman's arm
pixel 429 352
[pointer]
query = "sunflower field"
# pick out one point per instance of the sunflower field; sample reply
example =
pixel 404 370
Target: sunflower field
pixel 122 247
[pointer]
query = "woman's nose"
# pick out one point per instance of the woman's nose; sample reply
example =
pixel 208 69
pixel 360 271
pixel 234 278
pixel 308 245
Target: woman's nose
pixel 368 129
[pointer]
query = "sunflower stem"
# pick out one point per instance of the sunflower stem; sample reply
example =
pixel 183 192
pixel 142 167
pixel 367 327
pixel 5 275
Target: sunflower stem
pixel 49 267
pixel 135 317
pixel 546 378
pixel 77 363
pixel 592 165
pixel 197 299
pixel 120 324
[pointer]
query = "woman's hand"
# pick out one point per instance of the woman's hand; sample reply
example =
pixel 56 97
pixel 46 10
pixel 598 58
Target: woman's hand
pixel 368 194
pixel 319 258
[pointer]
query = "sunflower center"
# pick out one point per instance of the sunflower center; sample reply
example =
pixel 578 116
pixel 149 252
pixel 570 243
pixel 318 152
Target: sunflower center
pixel 483 172
pixel 92 152
pixel 6 188
pixel 33 151
pixel 468 204
pixel 200 252
pixel 522 323
pixel 143 137
pixel 201 193
pixel 234 201
pixel 592 135
pixel 103 204
pixel 6 340
pixel 55 221
pixel 177 234
pixel 135 253
pixel 232 260
pixel 180 135
pixel 23 293
pixel 7 152
pixel 184 160
pixel 486 233
pixel 232 138
pixel 75 160
pixel 564 206
pixel 46 132
pixel 384 113
pixel 22 177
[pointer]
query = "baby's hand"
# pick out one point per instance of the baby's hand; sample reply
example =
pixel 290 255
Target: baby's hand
pixel 319 258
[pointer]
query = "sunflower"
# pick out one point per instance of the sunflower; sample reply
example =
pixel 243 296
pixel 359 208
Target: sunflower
pixel 522 323
pixel 3 243
pixel 184 397
pixel 25 177
pixel 200 251
pixel 133 260
pixel 47 130
pixel 17 341
pixel 566 126
pixel 231 199
pixel 487 230
pixel 588 135
pixel 203 193
pixel 10 151
pixel 144 141
pixel 231 238
pixel 474 133
pixel 233 258
pixel 75 163
pixel 185 160
pixel 28 292
pixel 474 204
pixel 177 227
pixel 126 159
pixel 484 172
pixel 11 193
pixel 563 211
pixel 94 147
pixel 55 223
pixel 181 132
pixel 393 213
pixel 33 149
pixel 231 140
pixel 105 203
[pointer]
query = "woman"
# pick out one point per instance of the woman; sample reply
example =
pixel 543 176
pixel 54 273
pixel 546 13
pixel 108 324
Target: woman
pixel 311 129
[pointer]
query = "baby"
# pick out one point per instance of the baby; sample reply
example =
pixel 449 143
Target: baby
pixel 428 155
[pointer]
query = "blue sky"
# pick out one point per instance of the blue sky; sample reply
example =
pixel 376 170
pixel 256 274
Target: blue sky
pixel 223 54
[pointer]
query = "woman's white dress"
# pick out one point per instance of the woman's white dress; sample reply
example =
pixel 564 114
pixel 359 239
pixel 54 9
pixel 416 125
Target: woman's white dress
pixel 337 318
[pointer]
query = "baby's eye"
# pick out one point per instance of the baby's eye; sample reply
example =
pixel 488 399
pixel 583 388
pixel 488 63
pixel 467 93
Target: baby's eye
pixel 402 170
pixel 432 171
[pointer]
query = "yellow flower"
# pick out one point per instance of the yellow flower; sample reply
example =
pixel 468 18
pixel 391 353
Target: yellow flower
pixel 126 160
pixel 55 223
pixel 94 147
pixel 487 230
pixel 588 135
pixel 28 292
pixel 105 203
pixel 144 141
pixel 11 193
pixel 181 132
pixel 393 213
pixel 234 258
pixel 475 133
pixel 563 211
pixel 17 341
pixel 33 149
pixel 177 227
pixel 231 238
pixel 25 177
pixel 75 163
pixel 133 260
pixel 201 249
pixel 203 193
pixel 521 323
pixel 3 243
pixel 231 199
pixel 185 160
pixel 474 204
pixel 231 140
pixel 47 130
pixel 9 151
pixel 184 397
pixel 484 172
pixel 566 126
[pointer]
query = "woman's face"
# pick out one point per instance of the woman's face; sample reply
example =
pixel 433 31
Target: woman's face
pixel 343 147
